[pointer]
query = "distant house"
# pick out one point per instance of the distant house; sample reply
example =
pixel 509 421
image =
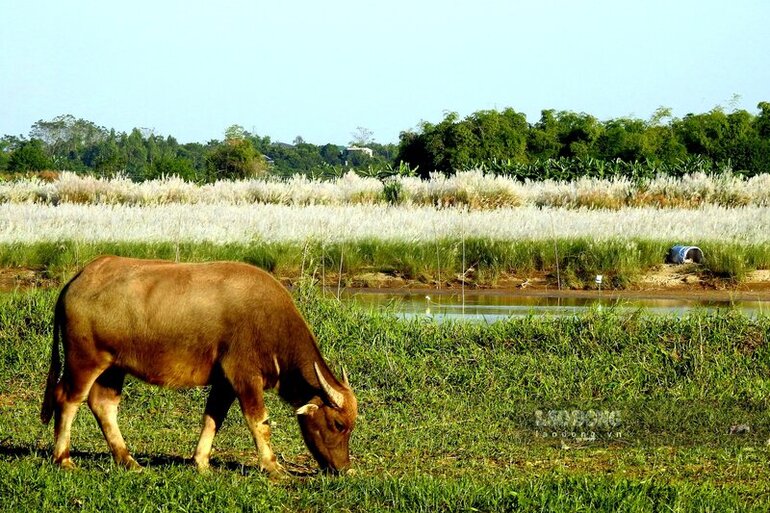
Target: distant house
pixel 367 151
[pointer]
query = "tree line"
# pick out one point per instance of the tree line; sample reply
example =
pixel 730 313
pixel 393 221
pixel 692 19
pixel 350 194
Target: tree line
pixel 66 143
pixel 505 140
pixel 561 144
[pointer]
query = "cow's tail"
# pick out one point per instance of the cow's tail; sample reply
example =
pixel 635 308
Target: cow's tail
pixel 49 399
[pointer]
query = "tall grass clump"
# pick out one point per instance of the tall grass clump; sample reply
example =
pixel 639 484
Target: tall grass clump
pixel 572 262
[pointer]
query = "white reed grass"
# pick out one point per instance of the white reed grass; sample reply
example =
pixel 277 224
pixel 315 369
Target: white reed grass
pixel 473 189
pixel 227 223
pixel 298 190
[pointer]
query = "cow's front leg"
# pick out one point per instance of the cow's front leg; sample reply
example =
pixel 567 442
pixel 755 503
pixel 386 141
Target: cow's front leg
pixel 255 413
pixel 218 403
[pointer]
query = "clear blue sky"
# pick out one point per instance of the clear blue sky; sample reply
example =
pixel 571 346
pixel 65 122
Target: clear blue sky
pixel 320 69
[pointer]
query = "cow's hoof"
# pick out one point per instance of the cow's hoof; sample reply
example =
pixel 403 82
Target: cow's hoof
pixel 131 465
pixel 67 464
pixel 277 475
pixel 203 468
pixel 275 471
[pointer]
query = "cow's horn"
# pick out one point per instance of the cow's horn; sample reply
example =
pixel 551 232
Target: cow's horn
pixel 334 395
pixel 345 378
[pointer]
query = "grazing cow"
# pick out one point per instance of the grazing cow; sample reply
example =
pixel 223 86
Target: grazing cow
pixel 225 324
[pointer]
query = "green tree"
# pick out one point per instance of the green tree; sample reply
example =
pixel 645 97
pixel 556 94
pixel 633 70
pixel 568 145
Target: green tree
pixel 413 150
pixel 762 121
pixel 659 115
pixel 303 158
pixel 577 133
pixel 196 155
pixel 499 135
pixel 235 158
pixel 167 165
pixel 662 145
pixel 702 134
pixel 235 132
pixel 261 144
pixel 623 138
pixel 8 145
pixel 104 156
pixel 331 154
pixel 741 140
pixel 459 145
pixel 66 138
pixel 455 144
pixel 29 156
pixel 134 155
pixel 751 138
pixel 543 137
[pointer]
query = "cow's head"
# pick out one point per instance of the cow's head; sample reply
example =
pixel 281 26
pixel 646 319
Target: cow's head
pixel 326 424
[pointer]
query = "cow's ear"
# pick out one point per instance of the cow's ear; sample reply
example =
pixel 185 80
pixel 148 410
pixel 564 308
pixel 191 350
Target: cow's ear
pixel 308 409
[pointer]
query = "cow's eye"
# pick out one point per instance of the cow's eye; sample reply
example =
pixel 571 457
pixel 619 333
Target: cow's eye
pixel 339 426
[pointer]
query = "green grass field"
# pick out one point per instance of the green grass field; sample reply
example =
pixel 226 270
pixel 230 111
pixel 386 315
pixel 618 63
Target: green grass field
pixel 453 417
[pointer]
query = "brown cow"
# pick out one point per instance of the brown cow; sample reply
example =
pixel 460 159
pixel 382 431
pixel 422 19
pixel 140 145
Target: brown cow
pixel 225 324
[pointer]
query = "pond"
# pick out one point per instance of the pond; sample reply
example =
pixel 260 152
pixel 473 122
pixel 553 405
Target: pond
pixel 494 306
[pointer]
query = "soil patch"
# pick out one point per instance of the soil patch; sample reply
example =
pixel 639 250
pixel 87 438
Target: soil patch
pixel 666 281
pixel 20 278
pixel 663 281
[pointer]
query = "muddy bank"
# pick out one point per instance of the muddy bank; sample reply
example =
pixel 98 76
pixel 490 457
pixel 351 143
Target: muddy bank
pixel 662 282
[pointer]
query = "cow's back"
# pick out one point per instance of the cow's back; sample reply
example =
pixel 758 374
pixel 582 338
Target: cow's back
pixel 171 323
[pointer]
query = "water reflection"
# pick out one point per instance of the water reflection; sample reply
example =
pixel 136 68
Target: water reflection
pixel 492 307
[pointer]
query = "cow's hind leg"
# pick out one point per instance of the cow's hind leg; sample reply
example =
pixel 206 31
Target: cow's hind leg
pixel 218 403
pixel 255 413
pixel 69 393
pixel 103 401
